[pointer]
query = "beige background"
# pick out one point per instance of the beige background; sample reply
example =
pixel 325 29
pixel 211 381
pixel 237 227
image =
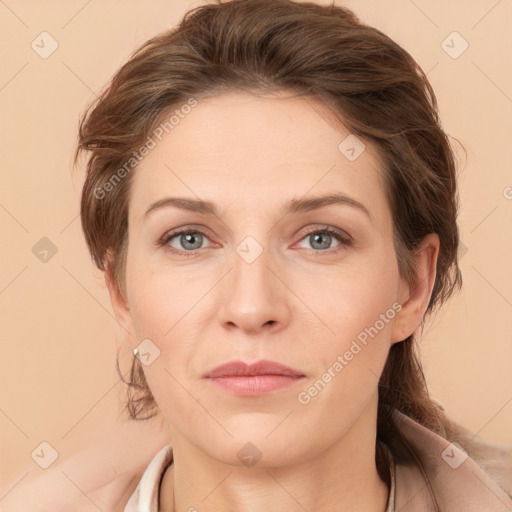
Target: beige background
pixel 58 332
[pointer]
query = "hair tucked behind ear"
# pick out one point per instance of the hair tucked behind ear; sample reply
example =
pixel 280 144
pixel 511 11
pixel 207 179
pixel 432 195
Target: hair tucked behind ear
pixel 323 52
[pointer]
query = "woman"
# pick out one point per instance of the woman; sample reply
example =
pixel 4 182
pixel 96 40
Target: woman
pixel 273 201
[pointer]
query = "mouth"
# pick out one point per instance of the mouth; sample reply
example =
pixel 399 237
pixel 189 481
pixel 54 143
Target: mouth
pixel 239 378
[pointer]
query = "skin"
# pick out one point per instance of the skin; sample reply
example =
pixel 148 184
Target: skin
pixel 300 303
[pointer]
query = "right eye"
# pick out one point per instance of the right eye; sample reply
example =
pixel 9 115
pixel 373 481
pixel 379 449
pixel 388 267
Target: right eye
pixel 188 240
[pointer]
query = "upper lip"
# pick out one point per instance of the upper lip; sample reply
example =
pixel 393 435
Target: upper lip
pixel 263 367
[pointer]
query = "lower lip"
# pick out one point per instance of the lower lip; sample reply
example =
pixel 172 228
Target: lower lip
pixel 254 385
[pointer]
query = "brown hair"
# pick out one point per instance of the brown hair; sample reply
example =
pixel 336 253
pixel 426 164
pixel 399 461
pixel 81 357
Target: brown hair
pixel 375 88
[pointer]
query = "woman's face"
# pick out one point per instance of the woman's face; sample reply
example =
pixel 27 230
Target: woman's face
pixel 260 280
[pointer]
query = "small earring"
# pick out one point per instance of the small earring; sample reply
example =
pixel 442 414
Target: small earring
pixel 136 353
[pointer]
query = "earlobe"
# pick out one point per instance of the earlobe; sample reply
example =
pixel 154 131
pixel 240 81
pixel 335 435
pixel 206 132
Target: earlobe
pixel 418 295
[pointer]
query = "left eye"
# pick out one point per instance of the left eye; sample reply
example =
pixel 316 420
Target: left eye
pixel 323 238
pixel 192 240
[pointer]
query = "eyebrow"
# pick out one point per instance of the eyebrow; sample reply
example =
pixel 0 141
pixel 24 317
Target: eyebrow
pixel 301 205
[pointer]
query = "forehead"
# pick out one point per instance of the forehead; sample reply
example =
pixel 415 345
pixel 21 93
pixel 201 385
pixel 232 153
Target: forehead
pixel 238 148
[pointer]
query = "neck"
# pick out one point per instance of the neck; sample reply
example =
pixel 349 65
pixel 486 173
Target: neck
pixel 343 477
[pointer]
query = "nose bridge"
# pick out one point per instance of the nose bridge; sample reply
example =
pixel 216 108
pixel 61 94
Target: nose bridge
pixel 252 295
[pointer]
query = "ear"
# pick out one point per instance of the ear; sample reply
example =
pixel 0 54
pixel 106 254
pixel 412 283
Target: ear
pixel 415 298
pixel 121 309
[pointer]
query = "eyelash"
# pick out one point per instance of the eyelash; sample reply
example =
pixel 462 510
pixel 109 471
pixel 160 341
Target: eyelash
pixel 345 240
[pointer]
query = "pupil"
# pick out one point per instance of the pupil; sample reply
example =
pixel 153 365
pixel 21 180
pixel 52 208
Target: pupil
pixel 318 237
pixel 189 237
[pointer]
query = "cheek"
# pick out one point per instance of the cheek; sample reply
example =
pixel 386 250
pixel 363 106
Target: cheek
pixel 354 298
pixel 159 299
pixel 162 311
pixel 357 309
pixel 166 308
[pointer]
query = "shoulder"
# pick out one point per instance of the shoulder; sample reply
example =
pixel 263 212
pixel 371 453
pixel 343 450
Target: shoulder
pixel 494 458
pixel 53 491
pixel 466 473
pixel 98 474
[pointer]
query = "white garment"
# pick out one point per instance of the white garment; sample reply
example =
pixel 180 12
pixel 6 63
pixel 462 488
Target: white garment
pixel 145 496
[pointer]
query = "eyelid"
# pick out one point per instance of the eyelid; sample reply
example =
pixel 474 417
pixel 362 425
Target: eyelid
pixel 321 228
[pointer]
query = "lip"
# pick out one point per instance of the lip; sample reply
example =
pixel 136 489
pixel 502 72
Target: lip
pixel 262 377
pixel 263 367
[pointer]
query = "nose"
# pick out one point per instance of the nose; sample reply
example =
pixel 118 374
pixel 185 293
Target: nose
pixel 253 295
